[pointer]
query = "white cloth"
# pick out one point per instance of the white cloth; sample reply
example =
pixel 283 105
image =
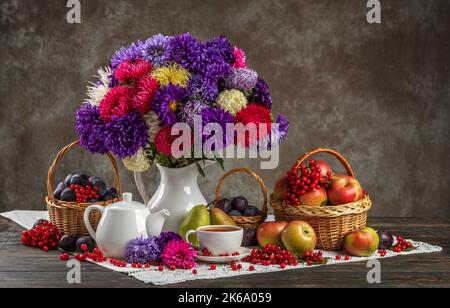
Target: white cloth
pixel 152 275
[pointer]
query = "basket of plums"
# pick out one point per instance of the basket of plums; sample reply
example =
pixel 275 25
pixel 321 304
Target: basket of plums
pixel 67 202
pixel 243 214
pixel 333 204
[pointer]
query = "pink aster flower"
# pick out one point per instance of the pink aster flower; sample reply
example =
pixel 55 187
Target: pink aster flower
pixel 130 70
pixel 239 57
pixel 179 254
pixel 116 103
pixel 146 88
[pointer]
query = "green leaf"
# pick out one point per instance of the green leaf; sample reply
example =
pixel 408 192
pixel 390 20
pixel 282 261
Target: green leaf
pixel 220 162
pixel 200 170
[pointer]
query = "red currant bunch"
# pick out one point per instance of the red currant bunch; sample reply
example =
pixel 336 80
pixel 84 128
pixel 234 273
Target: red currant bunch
pixel 382 252
pixel 311 257
pixel 272 255
pixel 44 236
pixel 83 194
pixel 308 177
pixel 402 245
pixel 205 252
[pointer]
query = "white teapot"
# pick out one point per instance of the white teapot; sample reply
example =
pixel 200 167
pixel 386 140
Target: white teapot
pixel 122 222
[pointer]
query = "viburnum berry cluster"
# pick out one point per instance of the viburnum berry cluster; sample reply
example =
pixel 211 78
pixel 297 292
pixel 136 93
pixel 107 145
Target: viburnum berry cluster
pixel 83 194
pixel 272 255
pixel 44 236
pixel 402 245
pixel 311 257
pixel 306 178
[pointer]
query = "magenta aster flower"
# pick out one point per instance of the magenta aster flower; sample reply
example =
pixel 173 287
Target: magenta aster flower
pixel 167 102
pixel 154 49
pixel 179 254
pixel 239 57
pixel 91 129
pixel 124 136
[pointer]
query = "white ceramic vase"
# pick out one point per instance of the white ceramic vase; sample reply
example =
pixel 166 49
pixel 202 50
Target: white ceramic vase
pixel 178 192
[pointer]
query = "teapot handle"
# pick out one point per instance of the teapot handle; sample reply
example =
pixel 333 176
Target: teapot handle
pixel 88 223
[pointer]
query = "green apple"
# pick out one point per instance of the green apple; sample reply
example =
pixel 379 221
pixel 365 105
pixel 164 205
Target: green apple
pixel 299 236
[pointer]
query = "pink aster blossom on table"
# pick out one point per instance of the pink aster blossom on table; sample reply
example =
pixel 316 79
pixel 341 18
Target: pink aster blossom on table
pixel 180 254
pixel 239 57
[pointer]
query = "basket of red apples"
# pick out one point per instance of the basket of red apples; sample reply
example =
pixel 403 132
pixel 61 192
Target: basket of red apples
pixel 67 202
pixel 248 217
pixel 333 204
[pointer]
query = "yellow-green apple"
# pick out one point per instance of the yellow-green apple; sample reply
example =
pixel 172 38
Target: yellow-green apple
pixel 344 189
pixel 362 243
pixel 270 233
pixel 299 236
pixel 324 167
pixel 316 197
pixel 280 187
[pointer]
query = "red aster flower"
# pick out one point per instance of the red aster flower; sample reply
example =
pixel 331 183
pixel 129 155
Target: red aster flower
pixel 146 88
pixel 130 71
pixel 116 103
pixel 164 141
pixel 256 114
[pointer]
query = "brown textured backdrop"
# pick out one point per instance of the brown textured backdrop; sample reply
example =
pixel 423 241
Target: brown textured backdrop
pixel 377 93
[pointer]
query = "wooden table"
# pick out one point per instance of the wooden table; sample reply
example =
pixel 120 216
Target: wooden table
pixel 21 266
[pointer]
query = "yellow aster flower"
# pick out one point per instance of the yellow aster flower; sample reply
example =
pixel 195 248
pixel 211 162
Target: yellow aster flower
pixel 172 73
pixel 232 101
pixel 138 163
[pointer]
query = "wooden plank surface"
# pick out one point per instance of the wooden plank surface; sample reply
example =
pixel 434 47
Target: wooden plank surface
pixel 21 266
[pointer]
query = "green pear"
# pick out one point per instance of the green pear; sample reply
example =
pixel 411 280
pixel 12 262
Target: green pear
pixel 197 217
pixel 219 217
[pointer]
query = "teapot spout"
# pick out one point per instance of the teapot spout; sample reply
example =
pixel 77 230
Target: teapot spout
pixel 155 222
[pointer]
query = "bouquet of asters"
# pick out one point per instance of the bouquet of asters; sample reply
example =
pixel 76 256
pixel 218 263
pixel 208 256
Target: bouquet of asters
pixel 154 84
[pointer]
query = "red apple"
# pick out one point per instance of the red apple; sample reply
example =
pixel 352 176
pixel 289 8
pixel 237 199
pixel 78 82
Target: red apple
pixel 362 243
pixel 270 233
pixel 299 236
pixel 344 189
pixel 324 167
pixel 280 187
pixel 314 198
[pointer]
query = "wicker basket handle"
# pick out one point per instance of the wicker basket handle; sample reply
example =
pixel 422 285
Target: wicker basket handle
pixel 329 151
pixel 51 171
pixel 249 172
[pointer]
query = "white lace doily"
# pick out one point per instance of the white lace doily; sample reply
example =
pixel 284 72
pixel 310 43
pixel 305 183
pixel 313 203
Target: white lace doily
pixel 152 275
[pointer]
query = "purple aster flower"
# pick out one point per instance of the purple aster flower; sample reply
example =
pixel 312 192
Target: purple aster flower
pixel 223 47
pixel 166 103
pixel 220 117
pixel 243 79
pixel 200 88
pixel 133 52
pixel 154 49
pixel 165 238
pixel 124 136
pixel 283 123
pixel 261 94
pixel 142 250
pixel 189 110
pixel 187 51
pixel 91 129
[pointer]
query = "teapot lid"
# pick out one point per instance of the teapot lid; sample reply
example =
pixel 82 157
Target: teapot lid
pixel 128 203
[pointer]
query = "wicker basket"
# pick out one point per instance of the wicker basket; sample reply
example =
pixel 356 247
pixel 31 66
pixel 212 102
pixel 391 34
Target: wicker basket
pixel 68 216
pixel 246 222
pixel 331 223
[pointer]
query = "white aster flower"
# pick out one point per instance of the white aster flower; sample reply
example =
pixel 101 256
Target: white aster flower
pixel 97 91
pixel 153 124
pixel 137 163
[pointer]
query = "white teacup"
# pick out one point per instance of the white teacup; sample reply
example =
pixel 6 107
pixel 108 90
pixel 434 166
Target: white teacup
pixel 219 240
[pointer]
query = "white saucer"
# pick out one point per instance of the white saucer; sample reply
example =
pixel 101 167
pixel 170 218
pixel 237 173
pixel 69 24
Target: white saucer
pixel 243 252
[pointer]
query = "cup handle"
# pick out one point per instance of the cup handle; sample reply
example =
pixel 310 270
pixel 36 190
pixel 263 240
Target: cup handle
pixel 189 234
pixel 87 223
